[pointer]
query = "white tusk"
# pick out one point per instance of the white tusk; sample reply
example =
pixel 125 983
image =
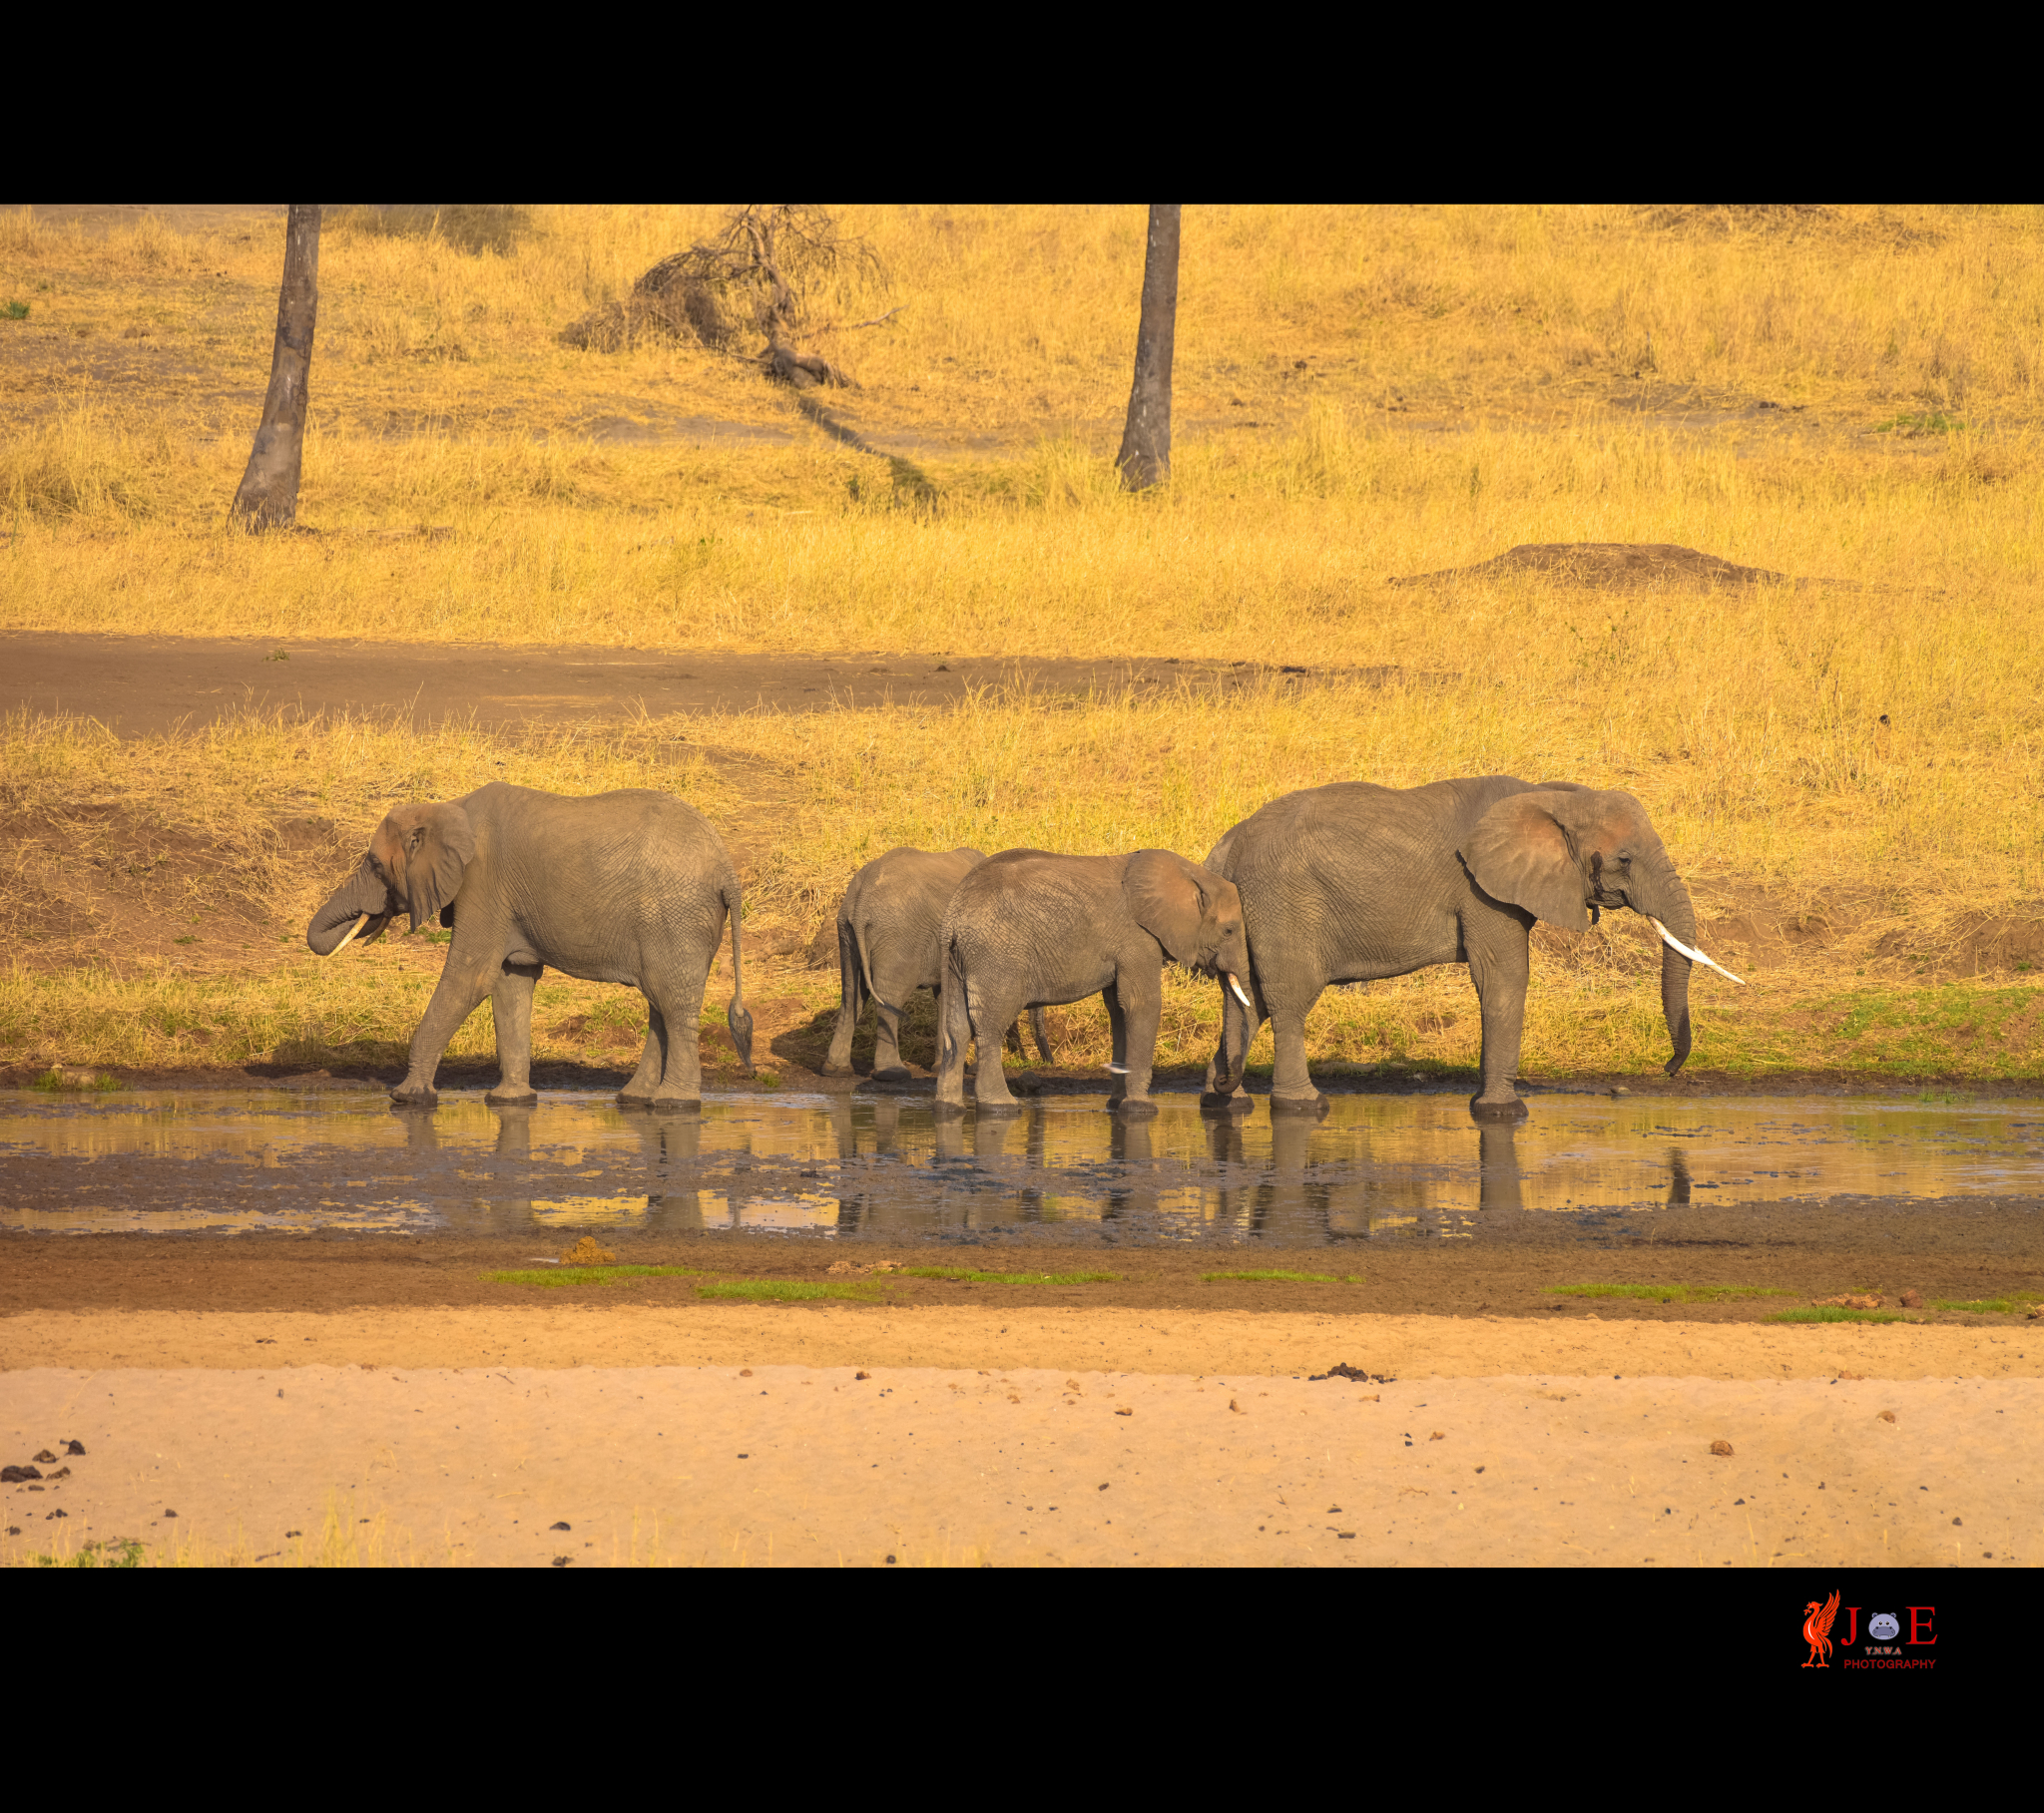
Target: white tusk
pixel 1675 944
pixel 1120 1070
pixel 350 938
pixel 1240 994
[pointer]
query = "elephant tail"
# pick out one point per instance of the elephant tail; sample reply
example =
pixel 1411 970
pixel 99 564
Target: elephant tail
pixel 740 1022
pixel 957 1014
pixel 855 966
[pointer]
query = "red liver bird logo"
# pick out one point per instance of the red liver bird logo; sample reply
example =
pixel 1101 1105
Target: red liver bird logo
pixel 1816 1630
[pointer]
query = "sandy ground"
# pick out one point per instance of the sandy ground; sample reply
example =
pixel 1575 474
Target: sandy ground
pixel 746 1433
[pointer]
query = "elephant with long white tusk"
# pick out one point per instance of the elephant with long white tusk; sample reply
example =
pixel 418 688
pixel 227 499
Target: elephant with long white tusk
pixel 1357 883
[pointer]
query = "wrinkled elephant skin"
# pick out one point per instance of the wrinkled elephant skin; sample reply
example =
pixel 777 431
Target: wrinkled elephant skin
pixel 887 949
pixel 1029 929
pixel 630 887
pixel 1355 883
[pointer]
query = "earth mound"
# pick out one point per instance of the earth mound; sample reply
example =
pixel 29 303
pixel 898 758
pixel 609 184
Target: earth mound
pixel 1611 566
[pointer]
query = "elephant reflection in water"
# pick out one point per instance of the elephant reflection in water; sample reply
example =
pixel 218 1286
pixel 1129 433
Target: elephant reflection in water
pixel 668 1152
pixel 1497 1165
pixel 1285 1200
pixel 1678 1177
pixel 1290 1200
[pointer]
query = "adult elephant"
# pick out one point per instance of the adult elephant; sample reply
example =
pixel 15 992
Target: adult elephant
pixel 630 887
pixel 1029 929
pixel 887 949
pixel 1355 882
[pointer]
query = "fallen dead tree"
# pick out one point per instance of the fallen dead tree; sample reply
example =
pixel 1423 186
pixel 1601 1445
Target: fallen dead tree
pixel 758 276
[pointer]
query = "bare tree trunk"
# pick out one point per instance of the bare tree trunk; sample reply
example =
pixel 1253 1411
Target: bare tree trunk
pixel 269 496
pixel 1144 458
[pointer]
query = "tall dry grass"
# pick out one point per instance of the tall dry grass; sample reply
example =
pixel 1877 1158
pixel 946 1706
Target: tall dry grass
pixel 1785 832
pixel 1874 735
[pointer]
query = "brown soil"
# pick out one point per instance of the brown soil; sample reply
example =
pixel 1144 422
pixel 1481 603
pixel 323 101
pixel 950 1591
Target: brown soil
pixel 1827 1253
pixel 1611 566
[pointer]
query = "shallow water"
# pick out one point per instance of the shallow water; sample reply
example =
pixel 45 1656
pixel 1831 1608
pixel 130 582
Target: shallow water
pixel 1378 1166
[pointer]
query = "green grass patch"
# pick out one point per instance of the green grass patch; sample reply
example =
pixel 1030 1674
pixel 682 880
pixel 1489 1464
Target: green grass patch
pixel 122 1551
pixel 58 1083
pixel 1273 1277
pixel 783 1291
pixel 1830 1312
pixel 1671 1293
pixel 959 1275
pixel 560 1278
pixel 15 311
pixel 1929 421
pixel 1990 1306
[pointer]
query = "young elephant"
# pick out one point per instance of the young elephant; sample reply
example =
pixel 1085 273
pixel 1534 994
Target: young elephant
pixel 1028 929
pixel 1355 882
pixel 887 949
pixel 629 887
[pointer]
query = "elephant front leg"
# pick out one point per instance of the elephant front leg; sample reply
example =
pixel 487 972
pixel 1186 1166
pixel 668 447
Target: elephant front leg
pixel 1500 974
pixel 511 1007
pixel 1291 1083
pixel 459 993
pixel 1139 1010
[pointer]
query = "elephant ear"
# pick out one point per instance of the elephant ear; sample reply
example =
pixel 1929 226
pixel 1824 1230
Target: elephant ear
pixel 1519 853
pixel 1167 900
pixel 424 850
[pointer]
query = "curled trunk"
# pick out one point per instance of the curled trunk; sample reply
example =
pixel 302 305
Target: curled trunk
pixel 363 892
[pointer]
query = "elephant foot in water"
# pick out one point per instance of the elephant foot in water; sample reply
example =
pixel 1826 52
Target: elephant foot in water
pixel 1005 1105
pixel 1506 1108
pixel 894 1073
pixel 1314 1106
pixel 1133 1108
pixel 1240 1103
pixel 407 1096
pixel 677 1105
pixel 524 1097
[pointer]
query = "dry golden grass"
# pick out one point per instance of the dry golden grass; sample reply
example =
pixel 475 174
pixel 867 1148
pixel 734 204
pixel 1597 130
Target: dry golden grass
pixel 1751 724
pixel 1014 320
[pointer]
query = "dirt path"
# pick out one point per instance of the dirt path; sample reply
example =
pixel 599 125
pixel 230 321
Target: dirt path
pixel 140 686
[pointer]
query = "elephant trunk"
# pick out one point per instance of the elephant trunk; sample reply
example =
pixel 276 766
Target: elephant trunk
pixel 337 923
pixel 1666 900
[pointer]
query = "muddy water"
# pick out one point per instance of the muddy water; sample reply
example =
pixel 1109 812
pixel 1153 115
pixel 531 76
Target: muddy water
pixel 1377 1167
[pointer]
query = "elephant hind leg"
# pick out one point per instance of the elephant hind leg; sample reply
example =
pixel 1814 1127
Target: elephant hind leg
pixel 989 1016
pixel 887 1065
pixel 852 993
pixel 678 1001
pixel 511 1007
pixel 638 1093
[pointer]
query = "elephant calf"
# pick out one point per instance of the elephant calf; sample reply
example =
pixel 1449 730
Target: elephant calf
pixel 630 887
pixel 887 949
pixel 1028 929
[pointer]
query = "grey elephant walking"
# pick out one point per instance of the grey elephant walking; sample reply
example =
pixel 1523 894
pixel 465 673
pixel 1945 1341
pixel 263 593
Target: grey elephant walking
pixel 887 949
pixel 630 887
pixel 1029 929
pixel 1354 883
